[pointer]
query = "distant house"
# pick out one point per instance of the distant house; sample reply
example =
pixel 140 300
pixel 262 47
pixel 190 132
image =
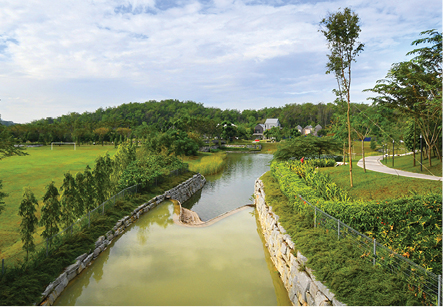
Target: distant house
pixel 272 122
pixel 317 129
pixel 260 129
pixel 309 130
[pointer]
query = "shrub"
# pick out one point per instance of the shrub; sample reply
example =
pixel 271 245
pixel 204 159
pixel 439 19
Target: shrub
pixel 411 226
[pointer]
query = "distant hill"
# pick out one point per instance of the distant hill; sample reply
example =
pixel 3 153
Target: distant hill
pixel 6 123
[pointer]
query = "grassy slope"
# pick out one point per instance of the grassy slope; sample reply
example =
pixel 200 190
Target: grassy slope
pixel 406 163
pixel 378 186
pixel 36 171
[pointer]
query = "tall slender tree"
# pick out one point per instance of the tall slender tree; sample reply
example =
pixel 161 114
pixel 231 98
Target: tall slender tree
pixel 51 213
pixel 29 223
pixel 341 30
pixel 81 192
pixel 102 180
pixel 69 200
pixel 90 195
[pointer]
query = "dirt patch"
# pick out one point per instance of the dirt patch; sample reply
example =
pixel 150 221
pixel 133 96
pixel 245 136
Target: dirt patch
pixel 189 218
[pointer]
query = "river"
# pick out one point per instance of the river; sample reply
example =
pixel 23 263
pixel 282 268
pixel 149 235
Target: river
pixel 156 262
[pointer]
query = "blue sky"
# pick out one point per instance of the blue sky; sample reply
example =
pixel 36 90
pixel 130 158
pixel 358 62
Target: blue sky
pixel 66 56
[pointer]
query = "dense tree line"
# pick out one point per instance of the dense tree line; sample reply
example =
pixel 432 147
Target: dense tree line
pixel 115 124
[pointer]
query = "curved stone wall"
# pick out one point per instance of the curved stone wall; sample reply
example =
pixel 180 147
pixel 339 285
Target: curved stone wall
pixel 182 192
pixel 303 288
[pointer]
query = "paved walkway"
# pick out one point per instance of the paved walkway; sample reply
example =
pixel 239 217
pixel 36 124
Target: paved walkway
pixel 373 164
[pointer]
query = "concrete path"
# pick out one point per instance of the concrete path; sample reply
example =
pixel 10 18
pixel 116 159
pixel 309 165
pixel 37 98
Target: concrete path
pixel 373 164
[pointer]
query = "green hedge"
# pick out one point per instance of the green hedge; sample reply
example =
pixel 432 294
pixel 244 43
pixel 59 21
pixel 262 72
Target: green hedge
pixel 411 226
pixel 340 267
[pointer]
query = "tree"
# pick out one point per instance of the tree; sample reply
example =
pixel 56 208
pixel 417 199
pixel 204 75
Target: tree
pixel 414 88
pixel 276 133
pixel 90 191
pixel 309 146
pixel 342 31
pixel 101 174
pixel 411 138
pixel 28 225
pixel 7 143
pixel 69 200
pixel 122 158
pixel 363 124
pixel 228 130
pixel 81 192
pixel 101 132
pixel 51 211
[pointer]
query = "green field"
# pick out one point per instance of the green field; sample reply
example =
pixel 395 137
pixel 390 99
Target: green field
pixel 377 186
pixel 406 163
pixel 37 170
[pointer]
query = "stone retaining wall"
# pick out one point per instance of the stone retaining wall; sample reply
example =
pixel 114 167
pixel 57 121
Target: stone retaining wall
pixel 207 148
pixel 302 287
pixel 182 193
pixel 255 146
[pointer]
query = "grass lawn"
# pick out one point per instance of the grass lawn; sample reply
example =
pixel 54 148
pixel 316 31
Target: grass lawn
pixel 406 163
pixel 36 171
pixel 378 186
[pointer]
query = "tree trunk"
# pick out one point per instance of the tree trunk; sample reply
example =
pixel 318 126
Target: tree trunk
pixel 363 154
pixel 429 156
pixel 349 140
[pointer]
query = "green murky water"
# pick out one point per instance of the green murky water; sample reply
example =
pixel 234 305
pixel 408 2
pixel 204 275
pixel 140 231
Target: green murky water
pixel 156 262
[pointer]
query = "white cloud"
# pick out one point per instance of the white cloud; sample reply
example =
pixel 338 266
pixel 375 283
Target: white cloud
pixel 229 54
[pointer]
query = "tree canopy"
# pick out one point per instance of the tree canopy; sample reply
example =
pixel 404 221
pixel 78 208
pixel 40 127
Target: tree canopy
pixel 414 89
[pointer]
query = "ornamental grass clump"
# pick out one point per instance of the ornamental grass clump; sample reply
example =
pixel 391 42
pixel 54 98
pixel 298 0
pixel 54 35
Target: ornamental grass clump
pixel 210 165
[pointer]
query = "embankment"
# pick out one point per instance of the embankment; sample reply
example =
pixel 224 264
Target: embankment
pixel 302 287
pixel 181 192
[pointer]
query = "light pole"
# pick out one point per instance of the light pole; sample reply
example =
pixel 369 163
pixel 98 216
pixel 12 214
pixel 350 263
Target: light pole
pixel 421 157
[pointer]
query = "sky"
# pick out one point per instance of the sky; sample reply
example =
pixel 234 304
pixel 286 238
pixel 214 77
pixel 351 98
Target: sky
pixel 64 56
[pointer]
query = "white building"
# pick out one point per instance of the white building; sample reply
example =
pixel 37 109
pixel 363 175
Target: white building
pixel 272 122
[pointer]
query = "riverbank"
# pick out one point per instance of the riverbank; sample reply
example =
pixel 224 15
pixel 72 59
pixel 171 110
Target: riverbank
pixel 181 192
pixel 23 284
pixel 189 218
pixel 338 263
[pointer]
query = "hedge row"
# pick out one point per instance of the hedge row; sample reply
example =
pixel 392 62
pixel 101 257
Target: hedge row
pixel 411 226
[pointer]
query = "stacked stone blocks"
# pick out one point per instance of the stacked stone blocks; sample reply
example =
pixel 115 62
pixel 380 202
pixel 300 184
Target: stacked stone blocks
pixel 299 281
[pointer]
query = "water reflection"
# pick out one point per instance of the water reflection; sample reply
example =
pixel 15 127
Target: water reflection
pixel 222 264
pixel 230 189
pixel 156 262
pixel 164 219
